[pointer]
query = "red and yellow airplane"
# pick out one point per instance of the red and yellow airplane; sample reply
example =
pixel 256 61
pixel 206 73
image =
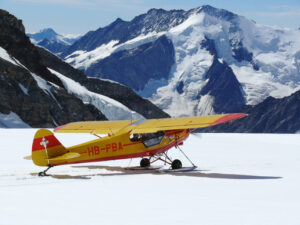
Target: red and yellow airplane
pixel 148 139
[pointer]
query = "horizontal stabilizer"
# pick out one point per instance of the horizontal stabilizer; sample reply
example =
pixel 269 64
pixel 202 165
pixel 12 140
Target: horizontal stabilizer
pixel 29 157
pixel 66 156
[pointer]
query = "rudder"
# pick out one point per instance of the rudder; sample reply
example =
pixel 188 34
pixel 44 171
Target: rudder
pixel 45 146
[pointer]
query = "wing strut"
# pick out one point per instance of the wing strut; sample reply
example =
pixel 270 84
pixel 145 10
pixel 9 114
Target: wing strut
pixel 177 146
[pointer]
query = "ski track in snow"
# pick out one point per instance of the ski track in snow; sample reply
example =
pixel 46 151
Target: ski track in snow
pixel 224 193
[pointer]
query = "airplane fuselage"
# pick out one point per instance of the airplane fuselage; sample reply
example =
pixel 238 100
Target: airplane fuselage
pixel 121 146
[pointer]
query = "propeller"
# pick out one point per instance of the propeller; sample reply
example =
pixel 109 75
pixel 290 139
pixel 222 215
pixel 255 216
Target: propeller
pixel 196 134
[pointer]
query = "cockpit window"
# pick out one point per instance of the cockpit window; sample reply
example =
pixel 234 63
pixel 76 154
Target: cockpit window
pixel 149 139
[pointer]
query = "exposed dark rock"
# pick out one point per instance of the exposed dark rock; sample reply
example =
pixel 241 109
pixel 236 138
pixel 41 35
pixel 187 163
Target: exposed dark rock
pixel 240 53
pixel 135 67
pixel 224 87
pixel 37 107
pixel 17 44
pixel 222 84
pixel 218 13
pixel 209 45
pixel 271 116
pixel 9 20
pixel 179 87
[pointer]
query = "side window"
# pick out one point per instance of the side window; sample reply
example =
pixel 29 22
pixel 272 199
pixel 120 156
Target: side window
pixel 149 139
pixel 152 139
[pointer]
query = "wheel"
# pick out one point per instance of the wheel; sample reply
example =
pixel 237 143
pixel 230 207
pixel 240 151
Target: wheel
pixel 145 162
pixel 176 164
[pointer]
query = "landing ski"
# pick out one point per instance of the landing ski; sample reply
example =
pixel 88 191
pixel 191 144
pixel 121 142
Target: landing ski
pixel 183 169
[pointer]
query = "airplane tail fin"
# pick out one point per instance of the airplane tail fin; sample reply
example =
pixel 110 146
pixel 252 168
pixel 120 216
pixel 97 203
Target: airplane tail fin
pixel 46 146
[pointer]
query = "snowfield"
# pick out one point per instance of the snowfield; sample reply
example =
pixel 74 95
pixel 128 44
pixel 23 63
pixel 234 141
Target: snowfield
pixel 242 179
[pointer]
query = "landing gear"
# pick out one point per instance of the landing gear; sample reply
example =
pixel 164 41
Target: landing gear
pixel 145 162
pixel 43 173
pixel 176 164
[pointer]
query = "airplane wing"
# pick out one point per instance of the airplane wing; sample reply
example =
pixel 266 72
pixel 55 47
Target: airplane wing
pixel 154 125
pixel 94 127
pixel 147 126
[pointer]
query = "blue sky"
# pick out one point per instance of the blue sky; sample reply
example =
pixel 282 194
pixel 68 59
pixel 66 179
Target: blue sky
pixel 80 16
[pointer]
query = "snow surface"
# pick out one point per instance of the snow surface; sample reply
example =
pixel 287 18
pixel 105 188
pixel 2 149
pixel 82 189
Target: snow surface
pixel 242 179
pixel 12 120
pixel 24 89
pixel 112 109
pixel 43 84
pixel 4 55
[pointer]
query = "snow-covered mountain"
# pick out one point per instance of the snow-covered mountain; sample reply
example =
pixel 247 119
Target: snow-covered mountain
pixel 54 42
pixel 37 89
pixel 201 61
pixel 51 35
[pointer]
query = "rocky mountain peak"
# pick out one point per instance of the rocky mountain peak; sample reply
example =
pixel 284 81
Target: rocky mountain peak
pixel 47 33
pixel 10 20
pixel 218 13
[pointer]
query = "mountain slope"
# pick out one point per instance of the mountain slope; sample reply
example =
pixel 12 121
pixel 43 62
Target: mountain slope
pixel 36 95
pixel 37 100
pixel 259 61
pixel 154 21
pixel 136 67
pixel 113 90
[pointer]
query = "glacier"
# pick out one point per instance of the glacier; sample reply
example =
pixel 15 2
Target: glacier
pixel 112 109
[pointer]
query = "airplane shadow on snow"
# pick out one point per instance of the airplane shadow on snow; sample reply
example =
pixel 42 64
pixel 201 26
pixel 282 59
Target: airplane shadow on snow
pixel 130 171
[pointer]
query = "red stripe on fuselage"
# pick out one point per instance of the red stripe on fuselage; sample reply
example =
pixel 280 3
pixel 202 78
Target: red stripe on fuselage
pixel 51 139
pixel 133 143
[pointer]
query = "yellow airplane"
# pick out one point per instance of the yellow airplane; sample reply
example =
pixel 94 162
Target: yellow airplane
pixel 148 139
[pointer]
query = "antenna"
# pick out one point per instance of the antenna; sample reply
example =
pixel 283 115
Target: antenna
pixel 131 115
